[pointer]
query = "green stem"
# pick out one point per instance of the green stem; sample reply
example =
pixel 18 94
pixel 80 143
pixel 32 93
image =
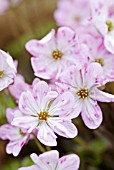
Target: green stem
pixel 48 148
pixel 40 147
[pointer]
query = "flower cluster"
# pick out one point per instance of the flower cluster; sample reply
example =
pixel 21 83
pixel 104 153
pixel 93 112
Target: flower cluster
pixel 76 61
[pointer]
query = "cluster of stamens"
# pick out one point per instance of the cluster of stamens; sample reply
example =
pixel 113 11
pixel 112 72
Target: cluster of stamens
pixel 100 61
pixel 83 93
pixel 57 54
pixel 21 132
pixel 43 115
pixel 110 25
pixel 1 74
pixel 77 18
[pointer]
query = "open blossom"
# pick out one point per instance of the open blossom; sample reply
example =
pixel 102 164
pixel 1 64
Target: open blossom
pixel 103 19
pixel 54 53
pixel 50 161
pixel 20 86
pixel 84 87
pixel 72 13
pixel 47 112
pixel 17 137
pixel 96 51
pixel 7 70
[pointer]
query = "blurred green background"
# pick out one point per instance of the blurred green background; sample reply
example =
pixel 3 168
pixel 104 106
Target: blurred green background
pixel 34 19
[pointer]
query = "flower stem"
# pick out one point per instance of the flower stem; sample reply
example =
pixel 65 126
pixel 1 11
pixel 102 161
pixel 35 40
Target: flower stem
pixel 48 148
pixel 40 147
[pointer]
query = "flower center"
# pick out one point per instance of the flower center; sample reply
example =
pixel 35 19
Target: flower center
pixel 110 25
pixel 43 115
pixel 83 93
pixel 21 132
pixel 100 61
pixel 57 54
pixel 77 18
pixel 1 74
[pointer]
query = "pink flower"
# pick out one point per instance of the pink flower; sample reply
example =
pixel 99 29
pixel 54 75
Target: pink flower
pixel 46 111
pixel 7 70
pixel 17 137
pixel 50 161
pixel 4 5
pixel 54 53
pixel 103 19
pixel 96 51
pixel 83 85
pixel 72 13
pixel 20 86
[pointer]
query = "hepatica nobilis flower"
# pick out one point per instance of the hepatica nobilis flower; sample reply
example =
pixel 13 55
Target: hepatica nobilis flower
pixel 96 53
pixel 50 161
pixel 47 112
pixel 84 87
pixel 72 13
pixel 17 137
pixel 54 53
pixel 103 19
pixel 7 70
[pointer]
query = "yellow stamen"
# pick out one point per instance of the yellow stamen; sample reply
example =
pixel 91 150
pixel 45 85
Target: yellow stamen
pixel 1 74
pixel 83 93
pixel 110 25
pixel 43 115
pixel 57 54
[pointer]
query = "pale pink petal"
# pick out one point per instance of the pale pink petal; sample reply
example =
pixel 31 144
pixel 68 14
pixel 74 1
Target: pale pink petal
pixel 9 114
pixel 44 67
pixel 77 108
pixel 48 160
pixel 72 76
pixel 109 43
pixel 43 94
pixel 94 71
pixel 70 162
pixel 65 37
pixel 27 104
pixel 27 122
pixel 36 48
pixel 18 87
pixel 62 106
pixel 91 114
pixel 46 135
pixel 103 96
pixel 14 147
pixel 62 127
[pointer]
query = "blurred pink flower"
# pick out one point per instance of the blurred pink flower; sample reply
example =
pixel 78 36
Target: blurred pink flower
pixel 20 86
pixel 7 70
pixel 17 137
pixel 46 111
pixel 50 161
pixel 72 13
pixel 103 19
pixel 4 5
pixel 96 51
pixel 54 53
pixel 83 85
